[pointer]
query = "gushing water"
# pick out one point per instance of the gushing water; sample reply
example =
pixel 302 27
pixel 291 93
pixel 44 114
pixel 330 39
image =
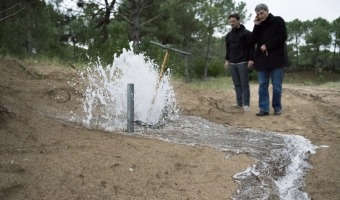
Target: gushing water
pixel 281 160
pixel 105 103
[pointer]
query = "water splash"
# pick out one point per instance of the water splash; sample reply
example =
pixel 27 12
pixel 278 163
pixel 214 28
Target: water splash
pixel 281 160
pixel 105 102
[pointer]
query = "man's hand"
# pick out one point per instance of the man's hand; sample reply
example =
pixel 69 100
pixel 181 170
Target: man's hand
pixel 226 64
pixel 250 64
pixel 257 21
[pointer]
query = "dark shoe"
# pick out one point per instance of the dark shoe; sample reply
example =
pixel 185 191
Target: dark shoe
pixel 262 113
pixel 277 112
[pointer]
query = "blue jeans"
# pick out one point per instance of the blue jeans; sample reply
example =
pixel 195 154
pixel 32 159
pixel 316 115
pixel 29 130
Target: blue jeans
pixel 276 76
pixel 240 76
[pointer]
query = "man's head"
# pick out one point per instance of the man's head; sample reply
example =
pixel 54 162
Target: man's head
pixel 261 11
pixel 234 20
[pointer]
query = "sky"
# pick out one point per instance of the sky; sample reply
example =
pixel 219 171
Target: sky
pixel 295 9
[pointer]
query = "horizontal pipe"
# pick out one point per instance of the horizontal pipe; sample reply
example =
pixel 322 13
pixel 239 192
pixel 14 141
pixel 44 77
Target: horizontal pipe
pixel 173 49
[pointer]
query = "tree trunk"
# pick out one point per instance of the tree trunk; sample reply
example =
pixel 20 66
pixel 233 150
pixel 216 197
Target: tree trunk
pixel 105 21
pixel 29 31
pixel 207 56
pixel 135 26
pixel 334 53
pixel 297 51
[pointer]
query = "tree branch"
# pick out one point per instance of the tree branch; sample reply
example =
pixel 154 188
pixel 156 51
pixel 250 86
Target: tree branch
pixel 9 8
pixel 125 18
pixel 12 14
pixel 150 20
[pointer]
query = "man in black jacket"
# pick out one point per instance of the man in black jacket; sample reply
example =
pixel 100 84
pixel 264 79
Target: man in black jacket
pixel 269 37
pixel 239 57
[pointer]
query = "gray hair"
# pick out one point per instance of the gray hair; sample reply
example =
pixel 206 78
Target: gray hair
pixel 261 6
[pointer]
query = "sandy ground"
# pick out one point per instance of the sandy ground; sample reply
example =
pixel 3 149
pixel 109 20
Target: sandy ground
pixel 42 156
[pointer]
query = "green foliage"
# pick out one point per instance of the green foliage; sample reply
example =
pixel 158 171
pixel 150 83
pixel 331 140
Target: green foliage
pixel 213 15
pixel 319 34
pixel 29 34
pixel 216 68
pixel 40 30
pixel 336 31
pixel 114 44
pixel 296 29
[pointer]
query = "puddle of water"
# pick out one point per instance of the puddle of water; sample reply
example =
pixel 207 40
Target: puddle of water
pixel 281 160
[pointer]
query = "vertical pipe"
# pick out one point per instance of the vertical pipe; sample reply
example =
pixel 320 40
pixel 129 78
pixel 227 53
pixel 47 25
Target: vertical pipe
pixel 130 108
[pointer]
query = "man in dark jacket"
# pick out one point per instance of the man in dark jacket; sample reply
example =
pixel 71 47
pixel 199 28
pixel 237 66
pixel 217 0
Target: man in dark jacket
pixel 239 53
pixel 269 37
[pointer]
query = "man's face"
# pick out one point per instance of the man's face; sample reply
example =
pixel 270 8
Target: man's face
pixel 233 22
pixel 262 15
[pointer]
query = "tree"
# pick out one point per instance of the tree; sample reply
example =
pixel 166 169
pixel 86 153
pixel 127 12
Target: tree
pixel 12 10
pixel 336 39
pixel 94 26
pixel 296 29
pixel 139 14
pixel 102 14
pixel 319 34
pixel 214 15
pixel 27 33
pixel 317 37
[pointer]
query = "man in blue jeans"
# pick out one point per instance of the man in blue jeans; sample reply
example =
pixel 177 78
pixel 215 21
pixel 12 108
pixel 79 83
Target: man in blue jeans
pixel 239 57
pixel 269 37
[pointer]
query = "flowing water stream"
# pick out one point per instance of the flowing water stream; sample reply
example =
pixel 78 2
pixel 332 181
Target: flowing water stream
pixel 281 160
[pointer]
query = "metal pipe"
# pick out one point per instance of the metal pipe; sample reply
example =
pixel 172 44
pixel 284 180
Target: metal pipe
pixel 130 108
pixel 173 49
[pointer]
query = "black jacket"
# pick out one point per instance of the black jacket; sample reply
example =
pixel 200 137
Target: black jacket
pixel 273 33
pixel 238 45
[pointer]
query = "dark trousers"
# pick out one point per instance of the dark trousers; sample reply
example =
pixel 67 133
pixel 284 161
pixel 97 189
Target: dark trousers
pixel 240 76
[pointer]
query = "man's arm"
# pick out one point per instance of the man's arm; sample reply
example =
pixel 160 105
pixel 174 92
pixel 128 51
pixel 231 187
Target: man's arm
pixel 280 34
pixel 227 45
pixel 251 49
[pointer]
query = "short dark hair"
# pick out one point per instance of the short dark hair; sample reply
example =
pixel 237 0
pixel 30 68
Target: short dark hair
pixel 235 15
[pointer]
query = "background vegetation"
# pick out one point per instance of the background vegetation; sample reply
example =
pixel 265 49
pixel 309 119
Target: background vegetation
pixel 38 29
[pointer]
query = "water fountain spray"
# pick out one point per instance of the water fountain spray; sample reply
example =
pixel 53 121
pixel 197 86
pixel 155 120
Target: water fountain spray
pixel 105 96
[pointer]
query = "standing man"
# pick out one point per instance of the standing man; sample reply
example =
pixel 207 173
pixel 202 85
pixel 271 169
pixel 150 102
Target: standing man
pixel 269 37
pixel 239 57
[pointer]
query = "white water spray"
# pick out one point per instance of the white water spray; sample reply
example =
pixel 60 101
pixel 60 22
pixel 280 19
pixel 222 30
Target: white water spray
pixel 281 159
pixel 105 101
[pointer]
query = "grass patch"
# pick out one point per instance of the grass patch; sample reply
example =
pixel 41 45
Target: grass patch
pixel 329 80
pixel 311 78
pixel 331 85
pixel 220 83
